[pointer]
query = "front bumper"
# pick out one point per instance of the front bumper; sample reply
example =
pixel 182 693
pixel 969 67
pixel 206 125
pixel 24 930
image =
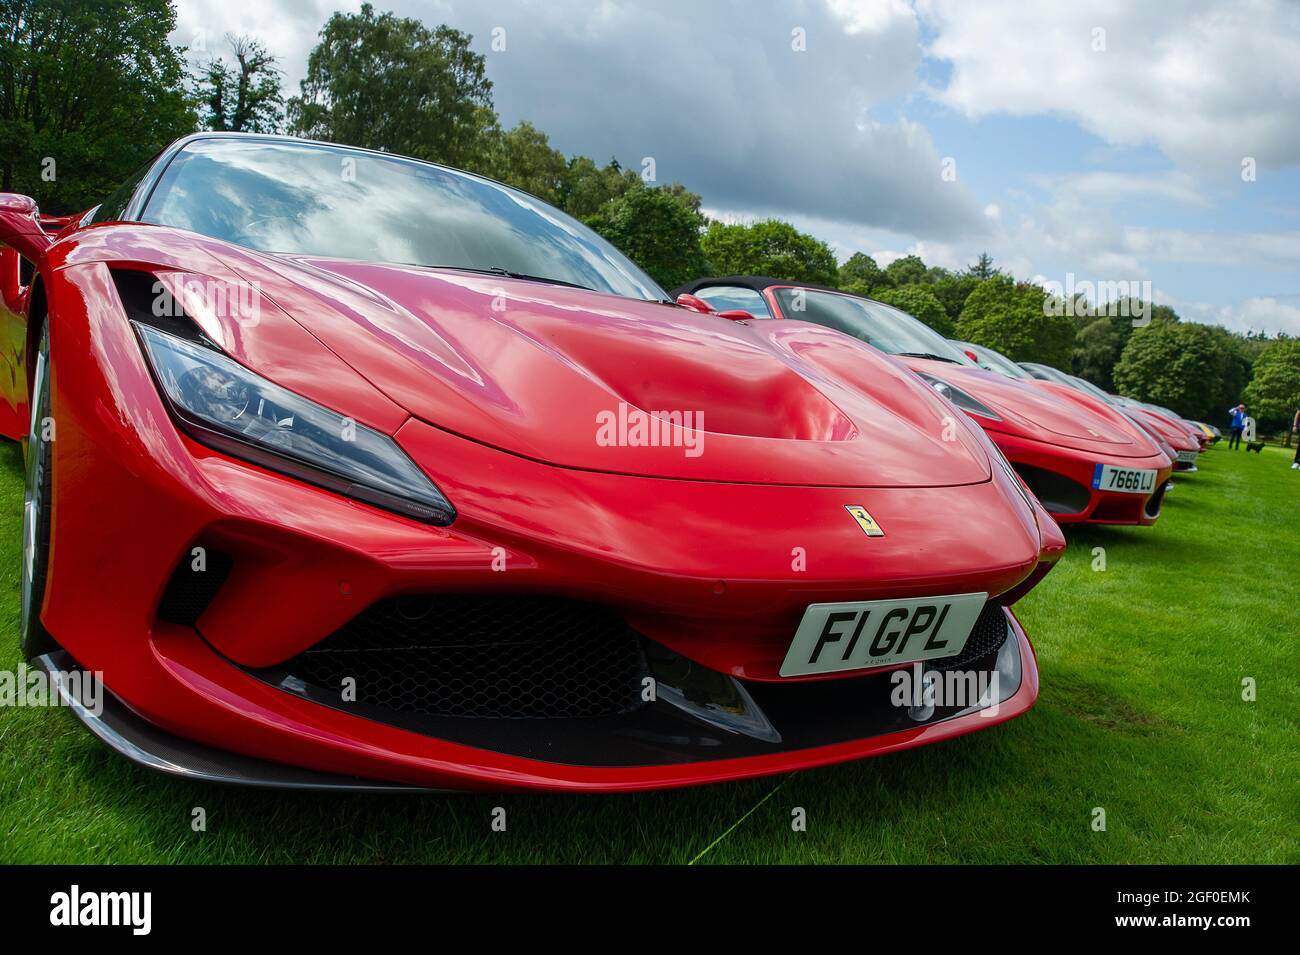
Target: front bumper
pixel 689 744
pixel 1062 479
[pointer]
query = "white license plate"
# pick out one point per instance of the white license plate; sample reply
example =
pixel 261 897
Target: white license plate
pixel 1186 457
pixel 876 633
pixel 1132 480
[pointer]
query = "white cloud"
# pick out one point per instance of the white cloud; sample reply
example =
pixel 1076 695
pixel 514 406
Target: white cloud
pixel 288 28
pixel 1105 186
pixel 1269 315
pixel 718 96
pixel 1207 82
pixel 1254 250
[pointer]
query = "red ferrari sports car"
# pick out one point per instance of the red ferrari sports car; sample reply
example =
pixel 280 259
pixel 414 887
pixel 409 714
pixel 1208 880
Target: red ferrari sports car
pixel 1085 464
pixel 348 470
pixel 1072 387
pixel 1184 442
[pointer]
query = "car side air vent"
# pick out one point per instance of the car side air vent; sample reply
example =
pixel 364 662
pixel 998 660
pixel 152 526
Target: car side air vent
pixel 148 302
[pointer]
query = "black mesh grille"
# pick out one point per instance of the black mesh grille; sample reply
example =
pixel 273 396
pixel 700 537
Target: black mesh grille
pixel 483 655
pixel 988 634
pixel 191 589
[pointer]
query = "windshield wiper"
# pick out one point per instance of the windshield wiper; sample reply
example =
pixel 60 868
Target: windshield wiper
pixel 926 354
pixel 498 270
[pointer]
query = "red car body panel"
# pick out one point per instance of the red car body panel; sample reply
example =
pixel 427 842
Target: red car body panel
pixel 693 553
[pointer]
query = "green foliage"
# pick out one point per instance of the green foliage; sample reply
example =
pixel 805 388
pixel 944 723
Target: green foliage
pixel 244 97
pixel 909 270
pixel 391 83
pixel 919 302
pixel 1097 347
pixel 771 248
pixel 1273 395
pixel 1187 367
pixel 1011 318
pixel 588 186
pixel 983 267
pixel 89 90
pixel 952 290
pixel 658 229
pixel 861 272
pixel 523 157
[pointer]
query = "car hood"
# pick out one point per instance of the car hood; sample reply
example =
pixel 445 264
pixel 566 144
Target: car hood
pixel 1042 414
pixel 598 382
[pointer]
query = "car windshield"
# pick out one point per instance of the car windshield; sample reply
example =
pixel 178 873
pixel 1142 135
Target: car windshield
pixel 887 328
pixel 727 298
pixel 987 358
pixel 1048 373
pixel 311 199
pixel 1084 385
pixel 1161 409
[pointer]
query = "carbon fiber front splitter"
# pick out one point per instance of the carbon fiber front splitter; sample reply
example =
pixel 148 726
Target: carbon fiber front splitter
pixel 146 745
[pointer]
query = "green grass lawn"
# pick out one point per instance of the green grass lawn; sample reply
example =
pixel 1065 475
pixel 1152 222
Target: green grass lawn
pixel 1141 714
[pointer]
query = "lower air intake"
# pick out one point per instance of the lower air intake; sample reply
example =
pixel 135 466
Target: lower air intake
pixel 511 656
pixel 193 584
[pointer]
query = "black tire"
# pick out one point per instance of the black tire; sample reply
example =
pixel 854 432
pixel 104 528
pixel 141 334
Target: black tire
pixel 33 638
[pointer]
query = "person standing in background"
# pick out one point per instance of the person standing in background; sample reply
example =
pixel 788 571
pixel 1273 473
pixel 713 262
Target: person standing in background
pixel 1295 429
pixel 1238 422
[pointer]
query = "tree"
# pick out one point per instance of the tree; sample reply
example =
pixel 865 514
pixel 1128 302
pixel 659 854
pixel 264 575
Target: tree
pixel 1235 368
pixel 983 267
pixel 393 84
pixel 587 186
pixel 1181 365
pixel 1273 395
pixel 89 90
pixel 909 270
pixel 1097 347
pixel 862 273
pixel 245 97
pixel 952 290
pixel 771 248
pixel 658 230
pixel 523 158
pixel 1012 318
pixel 919 302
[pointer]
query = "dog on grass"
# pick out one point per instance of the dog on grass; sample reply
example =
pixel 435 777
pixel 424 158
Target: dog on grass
pixel 1256 446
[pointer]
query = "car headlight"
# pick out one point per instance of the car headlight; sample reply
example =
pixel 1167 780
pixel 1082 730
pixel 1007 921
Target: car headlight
pixel 958 397
pixel 224 405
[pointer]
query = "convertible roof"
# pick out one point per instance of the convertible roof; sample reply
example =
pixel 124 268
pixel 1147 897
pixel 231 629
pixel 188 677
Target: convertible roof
pixel 756 282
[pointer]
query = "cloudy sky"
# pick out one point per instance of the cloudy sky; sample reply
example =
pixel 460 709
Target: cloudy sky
pixel 1117 141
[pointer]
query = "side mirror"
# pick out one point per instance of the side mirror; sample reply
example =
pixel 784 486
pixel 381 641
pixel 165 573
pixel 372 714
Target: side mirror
pixel 687 300
pixel 20 226
pixel 737 315
pixel 11 285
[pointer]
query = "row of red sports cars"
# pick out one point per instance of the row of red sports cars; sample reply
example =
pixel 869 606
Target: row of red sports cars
pixel 350 471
